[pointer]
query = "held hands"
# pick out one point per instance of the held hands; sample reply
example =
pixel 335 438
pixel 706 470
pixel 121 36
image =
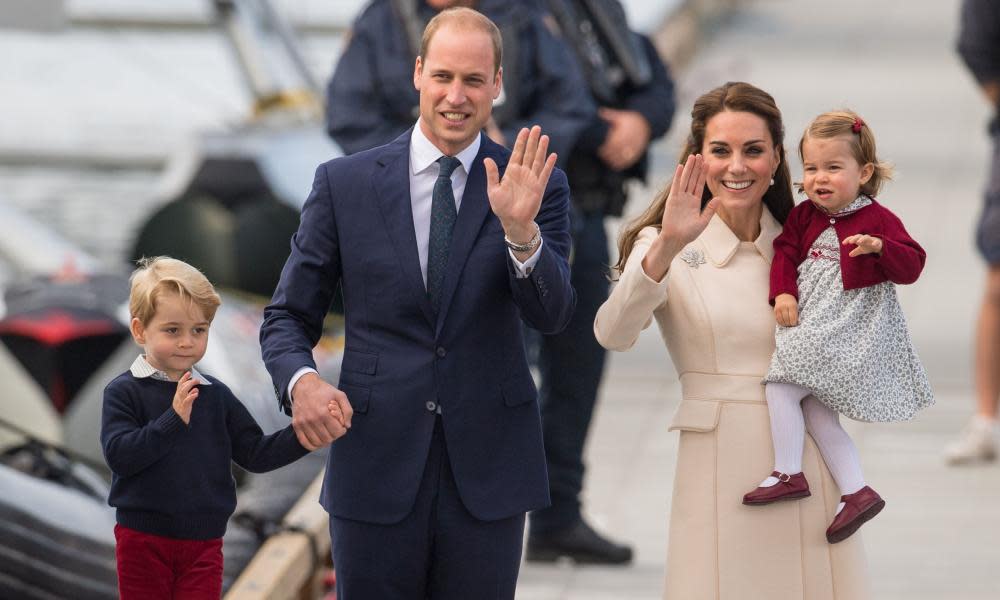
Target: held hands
pixel 628 136
pixel 866 244
pixel 516 199
pixel 320 412
pixel 786 310
pixel 683 217
pixel 185 396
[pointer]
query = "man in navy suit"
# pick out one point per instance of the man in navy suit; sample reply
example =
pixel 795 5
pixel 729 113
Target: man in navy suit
pixel 444 243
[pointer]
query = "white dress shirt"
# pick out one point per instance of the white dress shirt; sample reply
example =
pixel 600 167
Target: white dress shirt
pixel 423 173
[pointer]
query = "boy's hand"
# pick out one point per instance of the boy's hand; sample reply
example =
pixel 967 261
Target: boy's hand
pixel 314 423
pixel 866 244
pixel 336 412
pixel 185 395
pixel 786 310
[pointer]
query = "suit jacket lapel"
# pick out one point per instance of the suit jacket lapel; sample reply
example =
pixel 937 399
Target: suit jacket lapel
pixel 392 186
pixel 475 208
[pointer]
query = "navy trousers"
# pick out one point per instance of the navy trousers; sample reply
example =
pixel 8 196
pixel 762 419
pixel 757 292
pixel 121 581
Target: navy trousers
pixel 437 552
pixel 571 364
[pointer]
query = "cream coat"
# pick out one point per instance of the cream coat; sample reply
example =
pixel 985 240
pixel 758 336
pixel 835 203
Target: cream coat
pixel 714 316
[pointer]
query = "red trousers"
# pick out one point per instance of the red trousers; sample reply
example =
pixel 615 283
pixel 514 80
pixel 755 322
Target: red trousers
pixel 152 567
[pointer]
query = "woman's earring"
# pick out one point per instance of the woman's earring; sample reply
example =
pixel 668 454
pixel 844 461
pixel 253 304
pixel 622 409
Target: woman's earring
pixel 772 181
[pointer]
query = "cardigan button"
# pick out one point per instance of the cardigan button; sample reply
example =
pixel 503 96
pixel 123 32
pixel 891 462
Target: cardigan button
pixel 832 221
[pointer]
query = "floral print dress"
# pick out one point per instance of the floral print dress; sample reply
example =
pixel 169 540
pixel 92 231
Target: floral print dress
pixel 851 348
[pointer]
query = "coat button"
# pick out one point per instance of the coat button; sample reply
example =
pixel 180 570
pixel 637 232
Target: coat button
pixel 441 352
pixel 431 406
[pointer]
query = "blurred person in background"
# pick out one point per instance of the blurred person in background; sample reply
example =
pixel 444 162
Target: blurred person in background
pixel 979 46
pixel 371 99
pixel 634 91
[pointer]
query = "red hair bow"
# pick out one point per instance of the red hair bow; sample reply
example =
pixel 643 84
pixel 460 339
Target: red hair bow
pixel 858 123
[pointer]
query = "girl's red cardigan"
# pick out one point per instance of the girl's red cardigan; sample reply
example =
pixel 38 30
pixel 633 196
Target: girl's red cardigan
pixel 900 261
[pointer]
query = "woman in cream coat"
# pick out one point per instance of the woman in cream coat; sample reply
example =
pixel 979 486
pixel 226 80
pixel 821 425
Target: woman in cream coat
pixel 698 262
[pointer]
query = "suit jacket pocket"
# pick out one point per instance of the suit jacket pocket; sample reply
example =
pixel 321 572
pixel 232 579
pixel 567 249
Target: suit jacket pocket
pixel 359 361
pixel 696 415
pixel 518 391
pixel 358 396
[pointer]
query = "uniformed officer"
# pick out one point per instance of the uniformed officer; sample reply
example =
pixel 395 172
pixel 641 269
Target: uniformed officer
pixel 371 99
pixel 634 90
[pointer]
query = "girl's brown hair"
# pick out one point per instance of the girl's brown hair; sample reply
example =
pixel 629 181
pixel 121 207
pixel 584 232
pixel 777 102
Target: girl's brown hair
pixel 737 97
pixel 847 123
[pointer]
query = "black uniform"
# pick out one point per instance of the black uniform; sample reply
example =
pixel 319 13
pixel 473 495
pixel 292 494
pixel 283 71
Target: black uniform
pixel 626 73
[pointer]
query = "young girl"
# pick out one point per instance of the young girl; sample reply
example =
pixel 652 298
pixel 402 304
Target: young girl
pixel 841 345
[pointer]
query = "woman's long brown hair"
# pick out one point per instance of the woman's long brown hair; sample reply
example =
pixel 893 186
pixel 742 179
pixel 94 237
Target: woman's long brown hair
pixel 737 97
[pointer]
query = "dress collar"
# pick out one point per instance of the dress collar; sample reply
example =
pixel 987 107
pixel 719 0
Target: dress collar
pixel 721 243
pixel 141 368
pixel 423 152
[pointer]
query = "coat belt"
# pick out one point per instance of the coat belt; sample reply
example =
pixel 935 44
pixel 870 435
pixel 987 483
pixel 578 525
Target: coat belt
pixel 721 387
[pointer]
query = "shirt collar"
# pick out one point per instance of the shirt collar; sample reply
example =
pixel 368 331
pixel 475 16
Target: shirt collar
pixel 423 153
pixel 721 243
pixel 141 369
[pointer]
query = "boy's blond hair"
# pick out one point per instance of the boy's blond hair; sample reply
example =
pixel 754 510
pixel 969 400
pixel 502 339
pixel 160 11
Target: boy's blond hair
pixel 846 122
pixel 164 275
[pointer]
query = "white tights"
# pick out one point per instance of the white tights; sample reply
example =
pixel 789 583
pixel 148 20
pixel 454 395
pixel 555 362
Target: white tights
pixel 793 408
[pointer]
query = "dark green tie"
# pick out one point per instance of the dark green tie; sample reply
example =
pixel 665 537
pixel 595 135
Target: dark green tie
pixel 443 217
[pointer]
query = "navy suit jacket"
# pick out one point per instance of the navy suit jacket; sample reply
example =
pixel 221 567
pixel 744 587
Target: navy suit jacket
pixel 357 229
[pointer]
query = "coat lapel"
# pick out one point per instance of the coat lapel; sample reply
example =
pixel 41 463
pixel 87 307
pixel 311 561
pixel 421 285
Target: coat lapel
pixel 392 186
pixel 475 208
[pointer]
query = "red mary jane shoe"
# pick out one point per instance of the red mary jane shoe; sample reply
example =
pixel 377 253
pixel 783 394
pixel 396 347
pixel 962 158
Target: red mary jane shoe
pixel 789 487
pixel 859 508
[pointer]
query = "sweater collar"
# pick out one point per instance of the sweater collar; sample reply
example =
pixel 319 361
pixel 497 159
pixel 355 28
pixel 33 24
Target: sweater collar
pixel 857 204
pixel 141 368
pixel 721 243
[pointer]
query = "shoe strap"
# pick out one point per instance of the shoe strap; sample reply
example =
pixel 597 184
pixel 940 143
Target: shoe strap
pixel 781 477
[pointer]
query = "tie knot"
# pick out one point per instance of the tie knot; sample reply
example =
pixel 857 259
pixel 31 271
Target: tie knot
pixel 448 165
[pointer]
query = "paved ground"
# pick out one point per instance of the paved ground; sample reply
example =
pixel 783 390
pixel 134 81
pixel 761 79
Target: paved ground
pixel 894 62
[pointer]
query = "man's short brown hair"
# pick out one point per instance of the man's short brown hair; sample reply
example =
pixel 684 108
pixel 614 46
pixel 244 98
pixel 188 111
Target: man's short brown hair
pixel 464 18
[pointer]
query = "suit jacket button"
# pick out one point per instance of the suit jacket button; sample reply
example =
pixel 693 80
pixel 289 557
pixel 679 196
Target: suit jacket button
pixel 441 352
pixel 431 406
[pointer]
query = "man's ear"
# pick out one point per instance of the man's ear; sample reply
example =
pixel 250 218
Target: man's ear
pixel 498 83
pixel 418 67
pixel 138 331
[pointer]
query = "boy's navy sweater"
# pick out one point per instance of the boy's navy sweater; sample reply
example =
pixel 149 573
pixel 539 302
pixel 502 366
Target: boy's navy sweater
pixel 172 479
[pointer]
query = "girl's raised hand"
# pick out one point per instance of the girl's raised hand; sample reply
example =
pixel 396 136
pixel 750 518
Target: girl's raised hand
pixel 184 396
pixel 866 244
pixel 683 217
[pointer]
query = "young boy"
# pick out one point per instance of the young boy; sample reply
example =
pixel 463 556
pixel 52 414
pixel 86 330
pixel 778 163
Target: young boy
pixel 169 434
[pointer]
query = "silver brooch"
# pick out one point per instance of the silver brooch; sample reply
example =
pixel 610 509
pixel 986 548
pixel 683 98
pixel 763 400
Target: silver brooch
pixel 693 258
